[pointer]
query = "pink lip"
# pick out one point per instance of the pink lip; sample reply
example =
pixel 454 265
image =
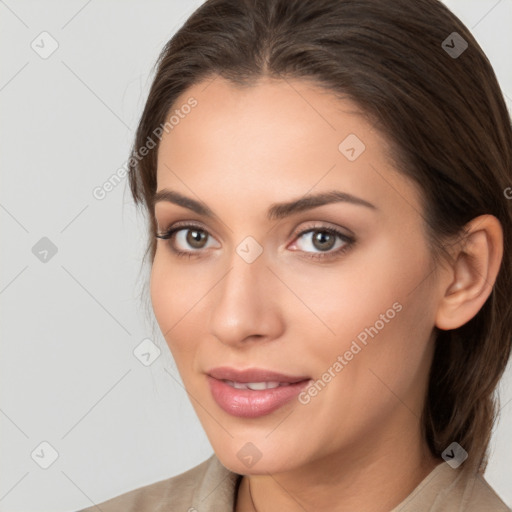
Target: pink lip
pixel 247 403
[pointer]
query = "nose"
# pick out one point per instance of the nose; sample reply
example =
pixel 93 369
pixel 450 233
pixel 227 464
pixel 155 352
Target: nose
pixel 246 305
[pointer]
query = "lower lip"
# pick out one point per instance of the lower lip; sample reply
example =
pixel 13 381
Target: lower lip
pixel 246 403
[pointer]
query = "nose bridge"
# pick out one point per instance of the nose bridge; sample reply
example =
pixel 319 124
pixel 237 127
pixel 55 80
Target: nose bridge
pixel 241 306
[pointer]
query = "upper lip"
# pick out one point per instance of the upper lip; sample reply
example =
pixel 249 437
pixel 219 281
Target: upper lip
pixel 252 375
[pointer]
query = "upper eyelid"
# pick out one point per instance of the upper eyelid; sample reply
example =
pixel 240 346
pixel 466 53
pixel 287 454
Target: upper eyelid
pixel 199 225
pixel 181 225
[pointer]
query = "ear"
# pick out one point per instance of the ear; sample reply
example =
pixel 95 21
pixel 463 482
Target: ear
pixel 472 272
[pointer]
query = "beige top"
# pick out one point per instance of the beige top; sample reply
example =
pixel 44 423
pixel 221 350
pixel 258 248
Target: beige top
pixel 210 487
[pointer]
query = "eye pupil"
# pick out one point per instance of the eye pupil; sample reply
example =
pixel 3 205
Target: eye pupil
pixel 325 240
pixel 195 237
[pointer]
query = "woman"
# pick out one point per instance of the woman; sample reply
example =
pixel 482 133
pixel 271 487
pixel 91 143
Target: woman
pixel 330 254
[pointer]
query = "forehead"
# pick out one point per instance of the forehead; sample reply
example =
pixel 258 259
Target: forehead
pixel 255 112
pixel 276 137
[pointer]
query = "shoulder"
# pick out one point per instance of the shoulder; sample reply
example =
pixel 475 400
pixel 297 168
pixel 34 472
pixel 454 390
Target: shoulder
pixel 481 497
pixel 451 490
pixel 205 484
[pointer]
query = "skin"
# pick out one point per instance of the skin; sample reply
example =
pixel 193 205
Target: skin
pixel 357 445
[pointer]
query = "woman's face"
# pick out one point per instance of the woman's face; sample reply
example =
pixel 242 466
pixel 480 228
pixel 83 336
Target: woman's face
pixel 344 319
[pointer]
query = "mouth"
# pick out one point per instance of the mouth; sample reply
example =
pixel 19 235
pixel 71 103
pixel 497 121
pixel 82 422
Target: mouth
pixel 253 392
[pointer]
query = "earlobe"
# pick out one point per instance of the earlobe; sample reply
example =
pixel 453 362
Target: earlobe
pixel 471 276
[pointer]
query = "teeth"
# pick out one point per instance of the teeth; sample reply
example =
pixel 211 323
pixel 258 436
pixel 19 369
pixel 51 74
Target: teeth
pixel 258 386
pixel 255 386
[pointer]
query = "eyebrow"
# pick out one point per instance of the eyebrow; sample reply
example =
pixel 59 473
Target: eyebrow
pixel 276 211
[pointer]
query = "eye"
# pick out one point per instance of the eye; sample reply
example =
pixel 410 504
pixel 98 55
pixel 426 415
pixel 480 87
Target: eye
pixel 322 242
pixel 182 238
pixel 190 240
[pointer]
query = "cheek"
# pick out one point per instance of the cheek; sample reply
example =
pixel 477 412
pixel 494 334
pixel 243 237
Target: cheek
pixel 172 301
pixel 376 308
pixel 162 301
pixel 364 290
pixel 383 327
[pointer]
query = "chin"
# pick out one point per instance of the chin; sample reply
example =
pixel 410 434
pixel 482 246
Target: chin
pixel 258 458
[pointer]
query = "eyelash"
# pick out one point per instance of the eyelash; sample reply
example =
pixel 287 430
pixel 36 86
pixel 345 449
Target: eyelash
pixel 349 241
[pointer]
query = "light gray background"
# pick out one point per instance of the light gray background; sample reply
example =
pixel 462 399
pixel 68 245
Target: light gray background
pixel 70 325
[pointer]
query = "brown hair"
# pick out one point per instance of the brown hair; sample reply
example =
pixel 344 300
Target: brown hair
pixel 444 115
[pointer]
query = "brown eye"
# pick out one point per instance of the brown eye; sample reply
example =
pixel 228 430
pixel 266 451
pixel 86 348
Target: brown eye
pixel 187 239
pixel 323 240
pixel 196 238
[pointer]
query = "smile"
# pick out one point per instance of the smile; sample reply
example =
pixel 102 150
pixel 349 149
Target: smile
pixel 254 392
